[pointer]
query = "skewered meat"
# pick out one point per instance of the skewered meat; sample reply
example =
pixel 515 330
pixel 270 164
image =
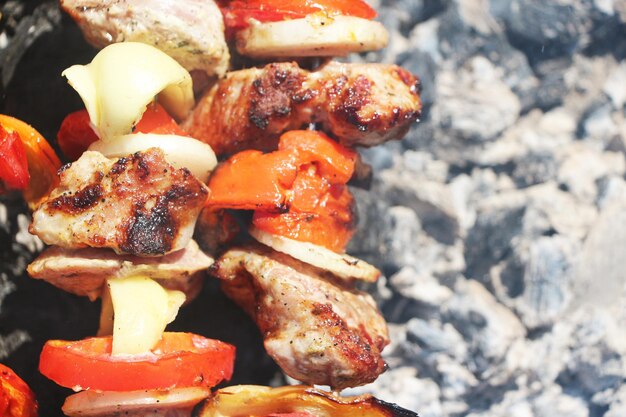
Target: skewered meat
pixel 84 271
pixel 318 329
pixel 359 104
pixel 190 31
pixel 138 205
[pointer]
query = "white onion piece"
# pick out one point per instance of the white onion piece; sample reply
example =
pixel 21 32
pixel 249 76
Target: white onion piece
pixel 313 35
pixel 140 403
pixel 180 151
pixel 340 264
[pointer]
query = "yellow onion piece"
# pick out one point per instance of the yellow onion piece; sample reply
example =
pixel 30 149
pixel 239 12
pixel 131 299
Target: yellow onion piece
pixel 123 79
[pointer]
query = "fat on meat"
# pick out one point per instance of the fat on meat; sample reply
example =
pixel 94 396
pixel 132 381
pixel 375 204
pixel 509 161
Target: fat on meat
pixel 190 31
pixel 319 330
pixel 358 104
pixel 84 271
pixel 137 205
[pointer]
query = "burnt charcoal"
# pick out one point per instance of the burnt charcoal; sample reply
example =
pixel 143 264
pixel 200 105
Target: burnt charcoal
pixel 545 30
pixel 596 123
pixel 488 327
pixel 489 241
pixel 547 280
pixel 534 168
pixel 399 309
pixel 367 242
pixel 434 338
pixel 25 26
pixel 552 88
pixel 421 136
pixel 618 408
pixel 459 40
pixel 607 34
pixel 415 11
pixel 379 157
pixel 37 88
pixel 512 277
pixel 486 394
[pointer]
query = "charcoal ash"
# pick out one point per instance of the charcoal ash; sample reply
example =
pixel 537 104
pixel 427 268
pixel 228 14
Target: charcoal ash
pixel 531 199
pixel 498 221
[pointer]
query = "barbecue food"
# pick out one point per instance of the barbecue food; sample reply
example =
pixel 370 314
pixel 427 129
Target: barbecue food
pixel 313 35
pixel 341 265
pixel 298 28
pixel 358 104
pixel 301 401
pixel 318 329
pixel 84 271
pixel 190 31
pixel 16 397
pixel 138 205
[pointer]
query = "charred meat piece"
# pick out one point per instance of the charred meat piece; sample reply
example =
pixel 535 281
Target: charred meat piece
pixel 138 205
pixel 358 104
pixel 190 31
pixel 84 271
pixel 216 229
pixel 318 330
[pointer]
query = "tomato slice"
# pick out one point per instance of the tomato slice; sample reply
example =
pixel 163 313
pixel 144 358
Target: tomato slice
pixel 75 134
pixel 13 162
pixel 333 161
pixel 156 120
pixel 43 162
pixel 237 13
pixel 16 398
pixel 178 360
pixel 251 180
pixel 297 191
pixel 325 217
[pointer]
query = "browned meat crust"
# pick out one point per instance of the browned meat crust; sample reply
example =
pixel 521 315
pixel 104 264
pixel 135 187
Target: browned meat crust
pixel 318 330
pixel 190 31
pixel 138 205
pixel 359 104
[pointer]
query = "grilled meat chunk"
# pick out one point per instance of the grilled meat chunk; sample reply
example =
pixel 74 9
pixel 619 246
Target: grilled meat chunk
pixel 190 31
pixel 358 104
pixel 84 271
pixel 138 205
pixel 318 329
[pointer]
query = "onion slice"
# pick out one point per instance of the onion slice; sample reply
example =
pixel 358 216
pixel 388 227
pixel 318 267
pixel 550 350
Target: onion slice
pixel 180 151
pixel 135 403
pixel 314 35
pixel 342 265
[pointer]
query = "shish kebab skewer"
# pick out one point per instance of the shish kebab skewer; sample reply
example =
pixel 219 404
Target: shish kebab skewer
pixel 139 205
pixel 192 31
